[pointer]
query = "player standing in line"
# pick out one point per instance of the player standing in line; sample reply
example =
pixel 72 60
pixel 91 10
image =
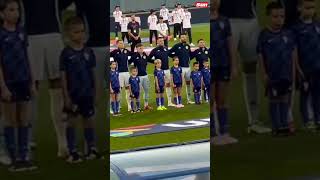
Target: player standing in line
pixel 17 86
pixel 152 23
pixel 163 30
pixel 176 80
pixel 181 12
pixel 121 55
pixel 183 51
pixel 140 60
pixel 201 54
pixel 186 25
pixel 164 13
pixel 206 80
pixel 134 32
pixel 114 88
pixel 134 87
pixel 176 19
pixel 124 28
pixel 223 69
pixel 117 14
pixel 77 63
pixel 161 52
pixel 197 82
pixel 307 32
pixel 159 78
pixel 277 53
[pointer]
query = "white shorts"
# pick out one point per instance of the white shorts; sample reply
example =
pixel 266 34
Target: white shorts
pixel 124 79
pixel 186 72
pixel 245 34
pixel 167 77
pixel 44 55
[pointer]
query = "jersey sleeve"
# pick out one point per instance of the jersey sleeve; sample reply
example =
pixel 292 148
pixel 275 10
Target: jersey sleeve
pixel 149 19
pixel 93 61
pixel 172 51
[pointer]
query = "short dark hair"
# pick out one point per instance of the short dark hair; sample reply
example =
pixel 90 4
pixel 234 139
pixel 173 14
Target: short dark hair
pixel 160 17
pixel 205 60
pixel 4 3
pixel 111 62
pixel 200 40
pixel 272 6
pixel 175 57
pixel 300 2
pixel 139 45
pixel 72 21
pixel 195 63
pixel 119 40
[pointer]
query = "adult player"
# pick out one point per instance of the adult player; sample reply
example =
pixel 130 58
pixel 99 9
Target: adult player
pixel 124 28
pixel 176 19
pixel 152 23
pixel 186 25
pixel 162 29
pixel 161 52
pixel 134 32
pixel 245 31
pixel 117 14
pixel 164 12
pixel 201 54
pixel 183 51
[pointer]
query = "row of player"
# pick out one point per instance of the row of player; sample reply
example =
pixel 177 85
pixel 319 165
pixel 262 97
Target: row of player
pixel 158 27
pixel 18 87
pixel 287 57
pixel 181 54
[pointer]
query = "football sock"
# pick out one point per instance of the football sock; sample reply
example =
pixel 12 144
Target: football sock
pixel 9 137
pixel 212 125
pixel 169 94
pixel 176 100
pixel 113 105
pixel 223 120
pixel 138 104
pixel 89 137
pixel 158 102
pixel 56 112
pixel 162 101
pixel 251 97
pixel 304 106
pixel 23 142
pixel 128 99
pixel 284 112
pixel 117 106
pixel 179 100
pixel 316 105
pixel 274 114
pixel 71 138
pixel 188 91
pixel 132 105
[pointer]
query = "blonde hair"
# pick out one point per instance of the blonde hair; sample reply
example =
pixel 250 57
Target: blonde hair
pixel 157 61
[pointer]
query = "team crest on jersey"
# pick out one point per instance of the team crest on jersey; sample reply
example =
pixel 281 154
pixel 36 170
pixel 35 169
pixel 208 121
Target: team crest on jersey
pixel 187 47
pixel 206 52
pixel 318 29
pixel 221 24
pixel 285 39
pixel 144 57
pixel 86 56
pixel 125 51
pixel 179 48
pixel 21 36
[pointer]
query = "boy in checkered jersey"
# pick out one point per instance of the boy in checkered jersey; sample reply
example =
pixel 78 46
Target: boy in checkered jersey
pixel 307 32
pixel 114 88
pixel 134 88
pixel 197 82
pixel 176 81
pixel 277 52
pixel 159 78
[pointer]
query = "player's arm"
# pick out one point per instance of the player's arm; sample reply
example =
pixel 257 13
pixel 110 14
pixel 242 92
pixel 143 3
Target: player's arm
pixel 111 90
pixel 171 78
pixel 157 82
pixel 296 66
pixel 149 20
pixel 263 67
pixel 172 51
pixel 151 57
pixel 5 93
pixel 129 31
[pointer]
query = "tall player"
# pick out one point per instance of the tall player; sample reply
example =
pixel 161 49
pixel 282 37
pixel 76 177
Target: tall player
pixel 176 19
pixel 152 23
pixel 134 32
pixel 163 30
pixel 201 54
pixel 161 52
pixel 164 12
pixel 124 28
pixel 186 25
pixel 183 51
pixel 117 14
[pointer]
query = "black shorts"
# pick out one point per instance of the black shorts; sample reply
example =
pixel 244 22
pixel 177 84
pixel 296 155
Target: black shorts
pixel 84 106
pixel 221 74
pixel 161 90
pixel 279 88
pixel 178 85
pixel 197 89
pixel 116 90
pixel 136 95
pixel 20 91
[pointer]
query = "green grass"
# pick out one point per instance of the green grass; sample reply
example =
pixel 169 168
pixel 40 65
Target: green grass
pixel 261 157
pixel 189 112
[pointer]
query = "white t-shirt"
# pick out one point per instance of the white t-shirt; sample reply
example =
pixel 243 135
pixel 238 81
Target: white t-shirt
pixel 176 17
pixel 124 24
pixel 164 13
pixel 117 16
pixel 163 28
pixel 186 20
pixel 152 21
pixel 181 11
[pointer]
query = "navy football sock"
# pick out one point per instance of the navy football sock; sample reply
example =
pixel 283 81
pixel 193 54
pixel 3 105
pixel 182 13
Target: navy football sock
pixel 113 106
pixel 274 115
pixel 138 104
pixel 158 102
pixel 162 101
pixel 304 106
pixel 132 105
pixel 284 112
pixel 117 106
pixel 71 139
pixel 89 137
pixel 176 100
pixel 179 100
pixel 23 134
pixel 9 137
pixel 223 120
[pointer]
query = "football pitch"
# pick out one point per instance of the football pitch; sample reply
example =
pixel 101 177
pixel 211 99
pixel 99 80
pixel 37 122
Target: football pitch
pixel 189 112
pixel 262 157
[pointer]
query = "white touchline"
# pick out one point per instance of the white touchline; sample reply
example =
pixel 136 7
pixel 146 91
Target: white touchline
pixel 193 123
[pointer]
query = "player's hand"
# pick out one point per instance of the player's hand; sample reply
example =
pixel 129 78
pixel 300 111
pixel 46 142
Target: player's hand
pixel 174 85
pixel 5 93
pixel 111 91
pixel 158 89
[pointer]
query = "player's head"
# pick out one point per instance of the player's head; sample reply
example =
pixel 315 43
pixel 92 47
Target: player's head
pixel 152 12
pixel 179 5
pixel 163 6
pixel 186 9
pixel 133 17
pixel 196 66
pixel 175 60
pixel 113 65
pixel 160 41
pixel 276 13
pixel 9 11
pixel 157 63
pixel 117 7
pixel 215 5
pixel 160 19
pixel 140 48
pixel 206 63
pixel 74 30
pixel 120 44
pixel 201 43
pixel 133 71
pixel 307 8
pixel 183 38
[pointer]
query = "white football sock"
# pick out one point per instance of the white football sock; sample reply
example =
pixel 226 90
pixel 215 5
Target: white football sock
pixel 188 91
pixel 251 97
pixel 169 95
